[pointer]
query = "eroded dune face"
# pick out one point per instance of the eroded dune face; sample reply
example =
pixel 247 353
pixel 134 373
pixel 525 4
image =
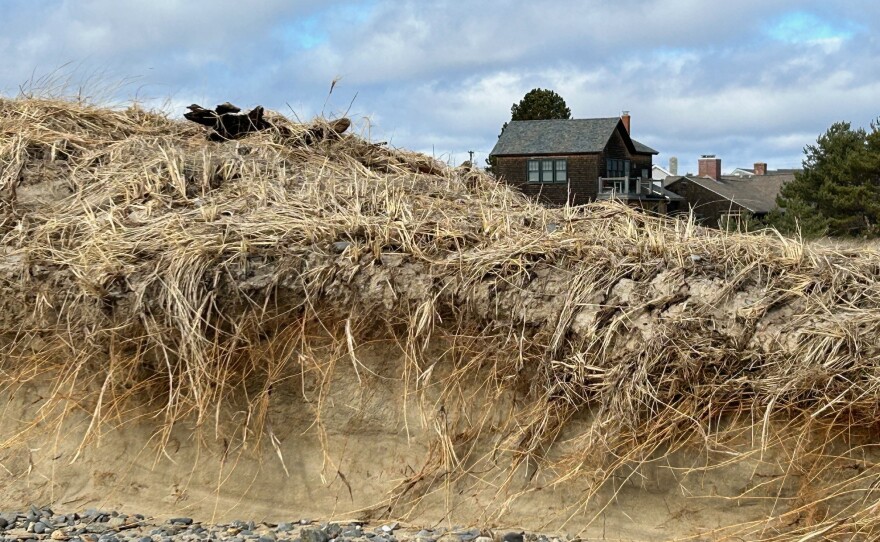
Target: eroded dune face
pixel 345 330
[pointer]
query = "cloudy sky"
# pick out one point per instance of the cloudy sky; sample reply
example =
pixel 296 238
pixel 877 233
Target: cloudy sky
pixel 748 80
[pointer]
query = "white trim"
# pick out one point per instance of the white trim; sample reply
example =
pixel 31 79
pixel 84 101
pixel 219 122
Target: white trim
pixel 740 172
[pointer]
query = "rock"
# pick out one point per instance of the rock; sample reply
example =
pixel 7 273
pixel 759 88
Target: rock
pixel 512 537
pixel 340 246
pixel 180 521
pixel 483 539
pixel 285 527
pixel 58 534
pixel 20 534
pixel 333 530
pixel 469 535
pixel 4 523
pixel 40 527
pixel 390 527
pixel 97 528
pixel 313 535
pixel 451 537
pixel 145 539
pixel 116 522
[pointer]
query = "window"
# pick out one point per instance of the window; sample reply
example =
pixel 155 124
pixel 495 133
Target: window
pixel 548 171
pixel 618 168
pixel 534 171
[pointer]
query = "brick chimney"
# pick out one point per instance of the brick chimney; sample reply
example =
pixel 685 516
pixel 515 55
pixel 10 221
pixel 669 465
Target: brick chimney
pixel 710 166
pixel 760 168
pixel 626 119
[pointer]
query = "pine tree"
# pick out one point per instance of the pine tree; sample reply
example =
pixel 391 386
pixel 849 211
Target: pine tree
pixel 838 192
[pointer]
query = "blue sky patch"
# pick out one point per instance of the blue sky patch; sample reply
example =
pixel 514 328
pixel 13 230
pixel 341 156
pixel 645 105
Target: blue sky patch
pixel 804 27
pixel 311 31
pixel 304 33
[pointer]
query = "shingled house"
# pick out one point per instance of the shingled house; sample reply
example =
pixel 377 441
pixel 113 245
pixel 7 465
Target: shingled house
pixel 718 199
pixel 577 161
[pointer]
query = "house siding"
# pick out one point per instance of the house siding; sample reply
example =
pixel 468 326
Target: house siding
pixel 708 206
pixel 617 150
pixel 583 176
pixel 643 162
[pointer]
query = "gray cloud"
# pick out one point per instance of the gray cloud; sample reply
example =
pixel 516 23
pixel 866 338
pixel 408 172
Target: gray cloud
pixel 698 76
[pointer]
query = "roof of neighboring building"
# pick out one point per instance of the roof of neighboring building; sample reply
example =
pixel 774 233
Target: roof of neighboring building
pixel 756 193
pixel 560 136
pixel 741 171
pixel 663 172
pixel 668 194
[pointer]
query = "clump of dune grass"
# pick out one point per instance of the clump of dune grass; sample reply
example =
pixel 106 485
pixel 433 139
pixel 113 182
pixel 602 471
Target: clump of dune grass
pixel 142 261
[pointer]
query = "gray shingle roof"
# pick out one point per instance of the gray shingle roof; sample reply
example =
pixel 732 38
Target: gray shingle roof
pixel 566 136
pixel 642 148
pixel 757 193
pixel 672 196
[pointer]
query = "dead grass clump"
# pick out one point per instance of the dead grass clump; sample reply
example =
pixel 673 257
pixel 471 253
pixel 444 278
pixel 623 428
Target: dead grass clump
pixel 140 260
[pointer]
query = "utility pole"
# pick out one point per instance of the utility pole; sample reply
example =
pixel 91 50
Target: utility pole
pixel 472 158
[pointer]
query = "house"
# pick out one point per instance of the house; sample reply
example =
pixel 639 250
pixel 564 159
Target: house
pixel 660 173
pixel 577 161
pixel 716 199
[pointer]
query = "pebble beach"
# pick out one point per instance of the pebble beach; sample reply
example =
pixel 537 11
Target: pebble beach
pixel 110 526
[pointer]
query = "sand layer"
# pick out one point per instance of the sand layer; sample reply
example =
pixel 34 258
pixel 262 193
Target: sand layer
pixel 352 465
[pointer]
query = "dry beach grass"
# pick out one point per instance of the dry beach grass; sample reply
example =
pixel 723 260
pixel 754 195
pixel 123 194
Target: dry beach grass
pixel 149 273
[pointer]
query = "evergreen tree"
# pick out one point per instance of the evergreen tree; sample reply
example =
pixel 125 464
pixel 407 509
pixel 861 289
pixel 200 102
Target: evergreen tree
pixel 838 192
pixel 540 104
pixel 537 104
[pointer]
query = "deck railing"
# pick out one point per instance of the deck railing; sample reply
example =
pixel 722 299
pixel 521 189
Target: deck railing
pixel 624 186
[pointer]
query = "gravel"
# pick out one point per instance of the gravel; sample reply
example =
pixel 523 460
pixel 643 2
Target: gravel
pixel 36 524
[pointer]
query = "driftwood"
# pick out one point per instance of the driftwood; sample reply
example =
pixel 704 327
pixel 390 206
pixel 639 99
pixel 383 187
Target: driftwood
pixel 226 121
pixel 332 130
